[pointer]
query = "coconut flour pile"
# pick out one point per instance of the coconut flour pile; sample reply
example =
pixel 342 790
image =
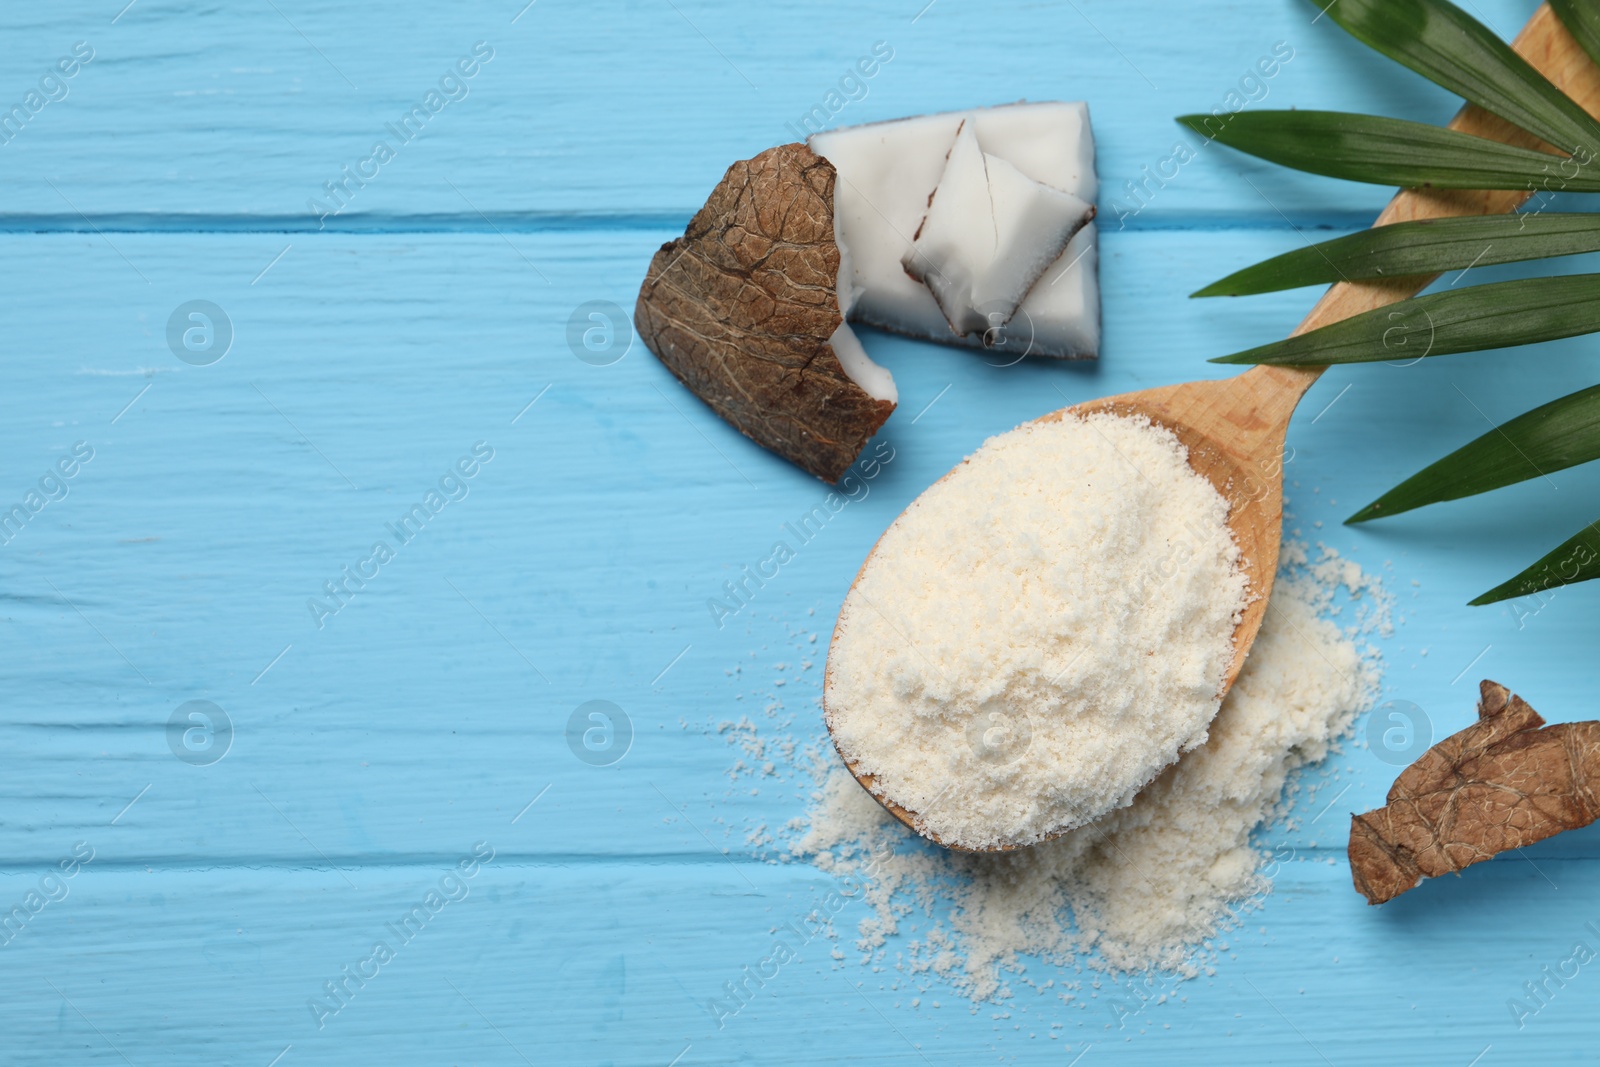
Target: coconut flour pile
pixel 1146 886
pixel 1039 634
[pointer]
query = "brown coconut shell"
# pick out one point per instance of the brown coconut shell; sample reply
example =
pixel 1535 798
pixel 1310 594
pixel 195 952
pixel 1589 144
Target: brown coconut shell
pixel 741 308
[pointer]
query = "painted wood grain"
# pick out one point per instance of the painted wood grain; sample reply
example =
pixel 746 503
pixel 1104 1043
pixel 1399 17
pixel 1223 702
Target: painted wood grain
pixel 579 565
pixel 621 107
pixel 547 963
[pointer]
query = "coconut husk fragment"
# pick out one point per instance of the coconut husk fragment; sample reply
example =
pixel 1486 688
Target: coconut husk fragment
pixel 1504 782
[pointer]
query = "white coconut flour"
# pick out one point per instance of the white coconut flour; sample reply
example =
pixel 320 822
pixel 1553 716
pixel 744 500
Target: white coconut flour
pixel 1150 890
pixel 1040 634
pixel 1146 888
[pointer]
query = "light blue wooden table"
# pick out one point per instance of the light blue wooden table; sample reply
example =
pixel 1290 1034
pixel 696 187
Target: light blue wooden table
pixel 380 753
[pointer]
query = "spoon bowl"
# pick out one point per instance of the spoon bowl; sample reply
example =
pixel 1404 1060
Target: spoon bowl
pixel 1234 428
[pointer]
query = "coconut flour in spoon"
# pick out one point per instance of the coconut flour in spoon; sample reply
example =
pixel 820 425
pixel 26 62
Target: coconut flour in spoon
pixel 1040 634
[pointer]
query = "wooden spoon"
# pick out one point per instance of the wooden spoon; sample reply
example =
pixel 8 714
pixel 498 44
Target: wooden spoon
pixel 1234 427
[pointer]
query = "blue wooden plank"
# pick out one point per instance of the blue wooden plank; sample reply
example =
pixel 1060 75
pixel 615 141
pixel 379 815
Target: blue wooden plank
pixel 619 107
pixel 180 564
pixel 619 963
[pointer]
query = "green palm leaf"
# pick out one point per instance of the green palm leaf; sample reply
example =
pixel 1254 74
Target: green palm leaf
pixel 1452 49
pixel 1582 20
pixel 1384 151
pixel 1444 44
pixel 1577 559
pixel 1425 247
pixel 1553 437
pixel 1499 315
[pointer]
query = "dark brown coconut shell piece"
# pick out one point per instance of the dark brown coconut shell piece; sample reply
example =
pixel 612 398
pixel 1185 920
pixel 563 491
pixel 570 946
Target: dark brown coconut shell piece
pixel 1504 782
pixel 741 307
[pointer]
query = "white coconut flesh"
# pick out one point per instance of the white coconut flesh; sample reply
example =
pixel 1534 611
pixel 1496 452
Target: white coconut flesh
pixel 873 378
pixel 988 235
pixel 889 172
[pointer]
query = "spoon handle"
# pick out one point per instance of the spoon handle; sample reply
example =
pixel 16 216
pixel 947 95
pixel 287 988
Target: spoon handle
pixel 1545 43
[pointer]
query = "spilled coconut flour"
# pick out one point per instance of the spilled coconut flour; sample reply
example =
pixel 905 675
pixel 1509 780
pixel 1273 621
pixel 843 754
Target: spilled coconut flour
pixel 1040 634
pixel 1147 887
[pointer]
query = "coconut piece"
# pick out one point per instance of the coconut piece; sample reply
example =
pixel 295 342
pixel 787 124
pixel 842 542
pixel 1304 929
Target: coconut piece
pixel 875 379
pixel 990 231
pixel 744 310
pixel 1063 307
pixel 1504 782
pixel 889 170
